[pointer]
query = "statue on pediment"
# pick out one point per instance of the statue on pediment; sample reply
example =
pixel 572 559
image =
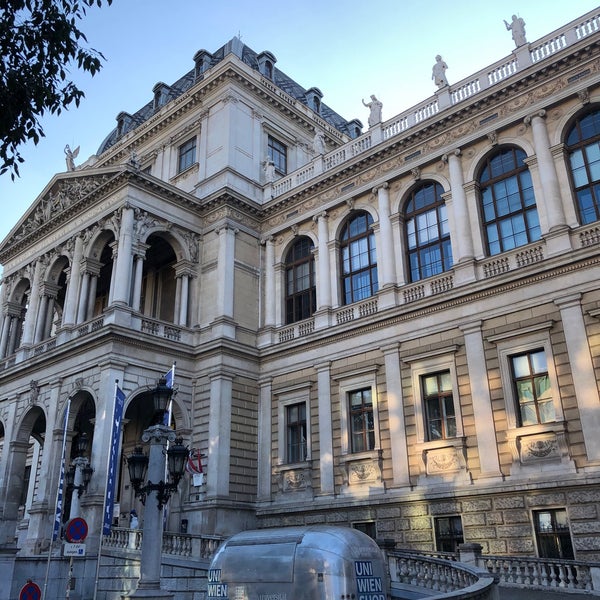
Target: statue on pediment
pixel 70 156
pixel 517 27
pixel 375 107
pixel 438 73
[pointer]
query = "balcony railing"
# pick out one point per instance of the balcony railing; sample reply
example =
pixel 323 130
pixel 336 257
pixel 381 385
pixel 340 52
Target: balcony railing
pixel 540 573
pixel 521 59
pixel 184 545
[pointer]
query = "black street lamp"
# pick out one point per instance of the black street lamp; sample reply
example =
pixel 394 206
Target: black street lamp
pixel 79 474
pixel 137 464
pixel 154 466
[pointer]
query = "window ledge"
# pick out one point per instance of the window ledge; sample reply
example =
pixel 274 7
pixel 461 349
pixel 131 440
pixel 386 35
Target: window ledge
pixel 194 167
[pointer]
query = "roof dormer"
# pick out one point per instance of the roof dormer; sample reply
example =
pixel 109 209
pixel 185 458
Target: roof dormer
pixel 266 63
pixel 202 62
pixel 161 93
pixel 313 99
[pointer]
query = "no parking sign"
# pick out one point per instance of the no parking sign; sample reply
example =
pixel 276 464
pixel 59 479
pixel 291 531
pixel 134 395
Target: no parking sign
pixel 30 591
pixel 76 530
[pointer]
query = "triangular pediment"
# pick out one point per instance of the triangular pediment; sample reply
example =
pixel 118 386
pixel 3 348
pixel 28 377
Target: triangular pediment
pixel 63 195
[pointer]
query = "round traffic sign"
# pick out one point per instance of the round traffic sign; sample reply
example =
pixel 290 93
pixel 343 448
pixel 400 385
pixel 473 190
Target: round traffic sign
pixel 30 591
pixel 76 530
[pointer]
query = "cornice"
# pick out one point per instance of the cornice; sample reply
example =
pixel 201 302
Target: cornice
pixel 468 123
pixel 418 310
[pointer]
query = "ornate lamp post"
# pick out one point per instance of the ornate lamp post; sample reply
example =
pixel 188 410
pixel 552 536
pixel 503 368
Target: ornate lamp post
pixel 79 474
pixel 156 492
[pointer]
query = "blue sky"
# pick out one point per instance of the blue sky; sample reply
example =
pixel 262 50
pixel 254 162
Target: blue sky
pixel 348 49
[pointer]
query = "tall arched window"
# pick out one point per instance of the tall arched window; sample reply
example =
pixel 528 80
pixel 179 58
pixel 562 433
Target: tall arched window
pixel 583 146
pixel 507 201
pixel 300 291
pixel 427 232
pixel 359 261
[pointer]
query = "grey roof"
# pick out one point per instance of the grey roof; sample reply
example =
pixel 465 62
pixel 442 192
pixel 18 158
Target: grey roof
pixel 249 56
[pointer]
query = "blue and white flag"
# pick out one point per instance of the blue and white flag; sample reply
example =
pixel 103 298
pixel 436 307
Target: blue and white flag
pixel 61 482
pixel 170 379
pixel 113 460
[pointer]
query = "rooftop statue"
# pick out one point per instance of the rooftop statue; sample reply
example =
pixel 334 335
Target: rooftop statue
pixel 375 107
pixel 439 72
pixel 319 143
pixel 70 156
pixel 517 26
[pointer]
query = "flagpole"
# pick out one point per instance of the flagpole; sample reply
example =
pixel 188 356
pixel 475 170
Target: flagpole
pixel 59 496
pixel 168 424
pixel 104 501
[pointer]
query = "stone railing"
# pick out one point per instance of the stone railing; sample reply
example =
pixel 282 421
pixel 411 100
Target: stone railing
pixel 420 575
pixel 540 573
pixel 522 58
pixel 199 547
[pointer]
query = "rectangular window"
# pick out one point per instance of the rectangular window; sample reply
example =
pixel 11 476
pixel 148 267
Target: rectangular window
pixel 553 534
pixel 440 419
pixel 187 155
pixel 277 153
pixel 295 416
pixel 362 425
pixel 533 390
pixel 448 533
pixel 367 527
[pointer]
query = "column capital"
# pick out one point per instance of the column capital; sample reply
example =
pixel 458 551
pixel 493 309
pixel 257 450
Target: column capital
pixel 322 215
pixel 225 228
pixel 270 239
pixel 529 118
pixel 456 152
pixel 383 186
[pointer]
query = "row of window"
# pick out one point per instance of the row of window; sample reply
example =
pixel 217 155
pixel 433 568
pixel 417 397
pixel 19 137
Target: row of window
pixel 551 526
pixel 532 391
pixel 508 213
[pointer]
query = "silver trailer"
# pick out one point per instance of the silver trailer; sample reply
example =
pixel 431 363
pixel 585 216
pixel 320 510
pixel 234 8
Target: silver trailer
pixel 316 562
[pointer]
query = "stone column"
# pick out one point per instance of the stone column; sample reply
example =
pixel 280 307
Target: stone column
pixel 395 402
pixel 264 439
pixel 219 434
pixel 463 239
pixel 31 318
pixel 92 295
pixel 14 330
pixel 547 169
pixel 582 368
pixel 7 483
pixel 487 444
pixel 270 297
pixel 83 298
pixel 41 517
pixel 461 226
pixel 6 322
pixel 323 279
pixel 183 301
pixel 70 309
pixel 16 451
pixel 138 271
pixel 122 272
pixel 226 262
pixel 41 318
pixel 386 262
pixel 325 428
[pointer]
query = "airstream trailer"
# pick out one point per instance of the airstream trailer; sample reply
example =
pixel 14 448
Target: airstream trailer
pixel 316 562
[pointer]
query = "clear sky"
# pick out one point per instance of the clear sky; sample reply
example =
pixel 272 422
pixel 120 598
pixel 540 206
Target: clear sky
pixel 349 49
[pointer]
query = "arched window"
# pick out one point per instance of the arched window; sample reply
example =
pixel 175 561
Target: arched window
pixel 427 233
pixel 300 291
pixel 359 261
pixel 583 146
pixel 507 202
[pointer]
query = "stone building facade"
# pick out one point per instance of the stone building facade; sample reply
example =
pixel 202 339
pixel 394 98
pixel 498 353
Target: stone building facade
pixel 396 330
